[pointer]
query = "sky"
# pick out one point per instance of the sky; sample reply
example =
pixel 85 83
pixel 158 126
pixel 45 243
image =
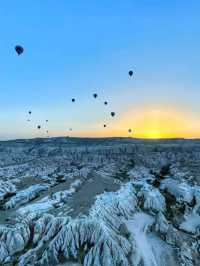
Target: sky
pixel 76 48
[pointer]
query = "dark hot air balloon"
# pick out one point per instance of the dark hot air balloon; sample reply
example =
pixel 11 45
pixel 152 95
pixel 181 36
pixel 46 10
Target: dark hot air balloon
pixel 130 130
pixel 105 103
pixel 73 100
pixel 112 114
pixel 104 125
pixel 95 95
pixel 130 73
pixel 38 127
pixel 29 112
pixel 19 49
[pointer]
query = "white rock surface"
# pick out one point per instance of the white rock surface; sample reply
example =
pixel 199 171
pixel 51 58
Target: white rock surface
pixel 130 202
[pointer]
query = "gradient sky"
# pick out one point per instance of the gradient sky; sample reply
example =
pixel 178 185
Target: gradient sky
pixel 76 48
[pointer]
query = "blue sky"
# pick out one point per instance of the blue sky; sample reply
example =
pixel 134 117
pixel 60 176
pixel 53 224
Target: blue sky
pixel 76 48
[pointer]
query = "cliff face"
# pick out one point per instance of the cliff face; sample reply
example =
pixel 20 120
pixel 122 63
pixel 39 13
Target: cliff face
pixel 99 202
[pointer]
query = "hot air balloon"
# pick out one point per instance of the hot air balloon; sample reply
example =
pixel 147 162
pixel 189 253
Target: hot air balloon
pixel 130 73
pixel 104 125
pixel 73 100
pixel 19 49
pixel 95 95
pixel 105 103
pixel 47 120
pixel 29 112
pixel 130 130
pixel 112 114
pixel 38 127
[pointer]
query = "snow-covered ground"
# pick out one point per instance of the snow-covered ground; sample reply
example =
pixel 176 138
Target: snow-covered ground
pixel 100 202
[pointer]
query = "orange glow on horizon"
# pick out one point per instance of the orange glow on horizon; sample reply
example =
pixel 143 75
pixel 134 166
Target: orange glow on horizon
pixel 162 122
pixel 150 123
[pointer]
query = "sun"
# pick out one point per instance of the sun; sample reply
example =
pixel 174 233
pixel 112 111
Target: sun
pixel 153 134
pixel 149 122
pixel 159 122
pixel 154 124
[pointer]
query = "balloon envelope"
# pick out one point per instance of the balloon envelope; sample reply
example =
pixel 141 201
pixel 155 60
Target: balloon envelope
pixel 130 73
pixel 19 49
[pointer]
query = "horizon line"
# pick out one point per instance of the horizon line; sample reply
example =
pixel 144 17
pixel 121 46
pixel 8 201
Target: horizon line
pixel 114 137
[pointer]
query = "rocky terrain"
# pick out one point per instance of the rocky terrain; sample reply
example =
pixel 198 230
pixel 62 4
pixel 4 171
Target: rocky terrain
pixel 100 202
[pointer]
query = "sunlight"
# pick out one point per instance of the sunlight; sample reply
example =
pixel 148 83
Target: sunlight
pixel 160 122
pixel 153 134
